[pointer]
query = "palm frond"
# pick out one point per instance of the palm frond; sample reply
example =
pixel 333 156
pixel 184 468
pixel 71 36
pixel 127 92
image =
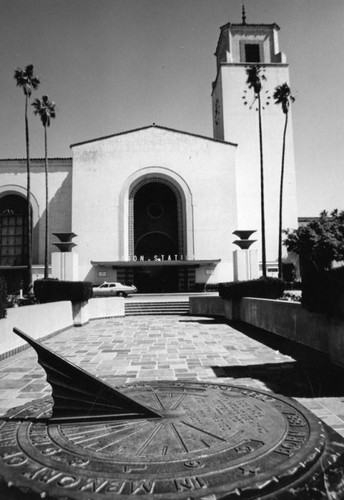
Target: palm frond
pixel 45 108
pixel 26 79
pixel 29 70
pixel 283 96
pixel 35 81
pixel 20 78
pixel 255 78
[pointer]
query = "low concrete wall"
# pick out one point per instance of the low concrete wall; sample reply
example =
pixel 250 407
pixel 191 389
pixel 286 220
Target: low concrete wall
pixel 287 319
pixel 38 321
pixel 214 306
pixel 207 306
pixel 80 313
pixel 43 320
pixel 336 341
pixel 106 307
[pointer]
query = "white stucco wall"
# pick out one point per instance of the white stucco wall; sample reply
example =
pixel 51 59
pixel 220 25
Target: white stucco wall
pixel 105 170
pixel 13 181
pixel 37 321
pixel 239 124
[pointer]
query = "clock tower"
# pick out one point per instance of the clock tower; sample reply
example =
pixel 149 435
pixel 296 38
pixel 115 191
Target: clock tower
pixel 235 119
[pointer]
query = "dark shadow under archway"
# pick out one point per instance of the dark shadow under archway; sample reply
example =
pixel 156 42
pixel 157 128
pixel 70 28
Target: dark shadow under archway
pixel 156 237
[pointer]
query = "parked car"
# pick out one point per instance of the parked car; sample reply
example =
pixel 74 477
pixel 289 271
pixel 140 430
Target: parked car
pixel 112 288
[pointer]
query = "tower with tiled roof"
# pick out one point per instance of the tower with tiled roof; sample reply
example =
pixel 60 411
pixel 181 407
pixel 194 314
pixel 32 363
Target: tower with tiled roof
pixel 235 118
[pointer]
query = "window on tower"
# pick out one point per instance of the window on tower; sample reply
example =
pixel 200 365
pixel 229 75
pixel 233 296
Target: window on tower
pixel 252 53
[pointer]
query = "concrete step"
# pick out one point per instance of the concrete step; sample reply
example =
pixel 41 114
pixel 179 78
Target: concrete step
pixel 154 308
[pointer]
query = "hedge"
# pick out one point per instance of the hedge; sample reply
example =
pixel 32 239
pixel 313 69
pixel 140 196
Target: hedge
pixel 267 288
pixel 3 298
pixel 50 290
pixel 322 290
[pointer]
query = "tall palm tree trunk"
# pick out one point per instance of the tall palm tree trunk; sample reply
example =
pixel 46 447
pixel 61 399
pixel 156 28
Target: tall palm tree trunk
pixel 46 261
pixel 28 199
pixel 262 203
pixel 280 273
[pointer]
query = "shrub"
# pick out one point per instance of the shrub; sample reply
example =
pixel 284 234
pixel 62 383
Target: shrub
pixel 3 298
pixel 321 241
pixel 292 295
pixel 211 287
pixel 293 285
pixel 50 290
pixel 206 287
pixel 322 290
pixel 268 288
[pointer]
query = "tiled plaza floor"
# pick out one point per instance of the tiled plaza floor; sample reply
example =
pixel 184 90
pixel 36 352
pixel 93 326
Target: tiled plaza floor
pixel 121 350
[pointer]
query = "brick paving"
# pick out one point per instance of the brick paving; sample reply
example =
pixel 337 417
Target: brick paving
pixel 121 350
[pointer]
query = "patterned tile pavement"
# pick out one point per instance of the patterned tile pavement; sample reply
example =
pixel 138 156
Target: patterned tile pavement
pixel 121 350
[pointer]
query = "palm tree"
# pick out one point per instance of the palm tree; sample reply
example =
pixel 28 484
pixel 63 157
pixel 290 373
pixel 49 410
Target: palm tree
pixel 254 81
pixel 283 96
pixel 46 110
pixel 28 82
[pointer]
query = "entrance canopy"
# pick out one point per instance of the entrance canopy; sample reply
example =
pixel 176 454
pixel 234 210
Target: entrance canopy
pixel 158 275
pixel 149 263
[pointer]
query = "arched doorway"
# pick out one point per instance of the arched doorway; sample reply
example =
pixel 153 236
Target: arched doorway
pixel 13 240
pixel 157 234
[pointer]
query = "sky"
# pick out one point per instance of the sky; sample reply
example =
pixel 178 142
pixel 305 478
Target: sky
pixel 117 65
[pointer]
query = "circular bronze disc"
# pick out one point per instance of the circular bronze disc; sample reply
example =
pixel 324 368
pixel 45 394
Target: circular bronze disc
pixel 212 442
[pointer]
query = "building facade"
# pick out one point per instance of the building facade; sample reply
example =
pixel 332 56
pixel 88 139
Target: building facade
pixel 13 209
pixel 156 206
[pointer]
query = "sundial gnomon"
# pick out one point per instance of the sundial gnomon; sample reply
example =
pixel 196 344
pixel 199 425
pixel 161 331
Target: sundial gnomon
pixel 161 440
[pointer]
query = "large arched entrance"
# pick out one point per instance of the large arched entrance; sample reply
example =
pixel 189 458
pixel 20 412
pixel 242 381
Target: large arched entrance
pixel 157 234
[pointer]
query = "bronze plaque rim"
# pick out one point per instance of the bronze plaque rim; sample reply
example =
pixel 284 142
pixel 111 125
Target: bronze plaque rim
pixel 222 464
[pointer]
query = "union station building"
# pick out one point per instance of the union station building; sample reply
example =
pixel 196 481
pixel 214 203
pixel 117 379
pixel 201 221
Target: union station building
pixel 156 206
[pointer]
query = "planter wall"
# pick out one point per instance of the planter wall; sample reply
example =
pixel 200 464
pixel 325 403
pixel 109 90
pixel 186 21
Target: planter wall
pixel 38 321
pixel 207 306
pixel 336 338
pixel 106 307
pixel 80 313
pixel 42 320
pixel 336 341
pixel 214 306
pixel 287 319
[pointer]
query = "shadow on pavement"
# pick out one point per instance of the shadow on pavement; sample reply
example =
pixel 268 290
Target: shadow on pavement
pixel 310 375
pixel 205 321
pixel 295 379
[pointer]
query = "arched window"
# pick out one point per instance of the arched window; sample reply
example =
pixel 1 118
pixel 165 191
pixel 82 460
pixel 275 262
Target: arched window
pixel 13 230
pixel 155 220
pixel 156 205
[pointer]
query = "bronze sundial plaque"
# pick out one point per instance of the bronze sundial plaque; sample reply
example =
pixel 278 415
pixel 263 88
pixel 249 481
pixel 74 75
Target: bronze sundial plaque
pixel 200 441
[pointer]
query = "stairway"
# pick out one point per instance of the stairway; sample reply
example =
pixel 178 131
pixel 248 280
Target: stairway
pixel 155 308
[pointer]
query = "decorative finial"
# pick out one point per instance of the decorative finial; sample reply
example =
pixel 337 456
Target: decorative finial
pixel 243 14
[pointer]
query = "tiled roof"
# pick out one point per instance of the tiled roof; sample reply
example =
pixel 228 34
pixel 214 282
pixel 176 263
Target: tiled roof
pixel 250 25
